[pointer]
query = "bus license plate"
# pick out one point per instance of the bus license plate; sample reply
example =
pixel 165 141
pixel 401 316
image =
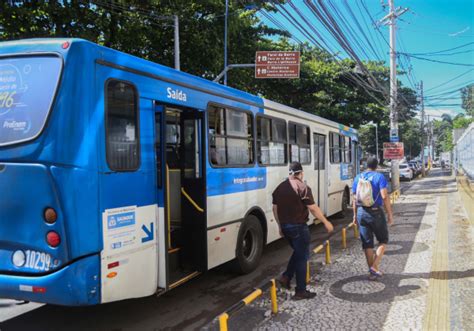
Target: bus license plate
pixel 38 260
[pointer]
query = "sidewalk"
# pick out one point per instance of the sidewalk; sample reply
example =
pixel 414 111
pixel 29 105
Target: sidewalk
pixel 428 282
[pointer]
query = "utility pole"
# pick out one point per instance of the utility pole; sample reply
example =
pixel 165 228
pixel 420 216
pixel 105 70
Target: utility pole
pixel 177 63
pixel 390 20
pixel 225 40
pixel 423 172
pixel 432 144
pixel 377 141
pixel 429 141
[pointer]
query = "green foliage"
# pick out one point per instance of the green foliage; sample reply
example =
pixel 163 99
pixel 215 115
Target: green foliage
pixel 462 122
pixel 467 96
pixel 143 28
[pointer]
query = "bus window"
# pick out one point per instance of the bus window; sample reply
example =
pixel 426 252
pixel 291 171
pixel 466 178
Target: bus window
pixel 300 148
pixel 271 141
pixel 347 150
pixel 230 137
pixel 334 148
pixel 26 96
pixel 122 126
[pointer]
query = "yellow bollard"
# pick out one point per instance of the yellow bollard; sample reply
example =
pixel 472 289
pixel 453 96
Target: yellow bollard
pixel 344 243
pixel 273 296
pixel 328 252
pixel 356 234
pixel 318 249
pixel 223 322
pixel 307 273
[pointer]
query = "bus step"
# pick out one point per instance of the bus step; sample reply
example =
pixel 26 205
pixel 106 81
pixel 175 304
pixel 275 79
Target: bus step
pixel 184 279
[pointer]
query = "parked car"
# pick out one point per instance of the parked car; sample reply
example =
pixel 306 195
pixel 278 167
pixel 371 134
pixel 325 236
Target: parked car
pixel 415 167
pixel 405 171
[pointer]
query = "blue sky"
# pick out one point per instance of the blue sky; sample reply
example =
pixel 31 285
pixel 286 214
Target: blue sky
pixel 428 26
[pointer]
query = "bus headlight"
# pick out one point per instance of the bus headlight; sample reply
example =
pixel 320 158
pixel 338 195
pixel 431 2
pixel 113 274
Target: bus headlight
pixel 19 258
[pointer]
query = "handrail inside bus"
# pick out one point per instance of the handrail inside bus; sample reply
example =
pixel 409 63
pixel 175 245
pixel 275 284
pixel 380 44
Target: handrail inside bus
pixel 191 200
pixel 168 213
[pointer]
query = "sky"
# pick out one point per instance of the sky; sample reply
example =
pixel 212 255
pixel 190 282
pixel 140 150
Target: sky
pixel 427 27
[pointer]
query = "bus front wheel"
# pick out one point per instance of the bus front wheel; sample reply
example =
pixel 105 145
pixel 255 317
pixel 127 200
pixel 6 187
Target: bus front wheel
pixel 249 245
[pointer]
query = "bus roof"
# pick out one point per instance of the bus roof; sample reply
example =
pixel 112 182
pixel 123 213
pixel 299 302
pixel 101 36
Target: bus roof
pixel 139 65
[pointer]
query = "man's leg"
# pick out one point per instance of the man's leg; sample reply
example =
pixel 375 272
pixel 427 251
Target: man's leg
pixel 290 268
pixel 301 257
pixel 378 258
pixel 381 233
pixel 290 234
pixel 369 255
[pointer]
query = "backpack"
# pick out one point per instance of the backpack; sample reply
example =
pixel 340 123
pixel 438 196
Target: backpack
pixel 364 194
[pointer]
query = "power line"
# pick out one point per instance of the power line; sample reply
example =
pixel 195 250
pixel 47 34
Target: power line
pixel 444 50
pixel 449 81
pixel 451 54
pixel 437 61
pixel 455 89
pixel 310 36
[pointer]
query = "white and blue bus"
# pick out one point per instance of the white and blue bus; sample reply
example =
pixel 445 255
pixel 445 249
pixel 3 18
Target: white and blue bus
pixel 121 178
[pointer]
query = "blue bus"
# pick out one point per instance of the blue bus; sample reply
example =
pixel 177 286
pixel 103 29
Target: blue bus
pixel 122 178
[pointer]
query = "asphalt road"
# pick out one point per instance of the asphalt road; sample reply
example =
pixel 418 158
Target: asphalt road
pixel 188 307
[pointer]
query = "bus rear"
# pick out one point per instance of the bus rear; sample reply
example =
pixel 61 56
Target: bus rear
pixel 41 256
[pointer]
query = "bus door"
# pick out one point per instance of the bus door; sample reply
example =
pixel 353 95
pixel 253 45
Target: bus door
pixel 193 190
pixel 355 158
pixel 181 187
pixel 320 191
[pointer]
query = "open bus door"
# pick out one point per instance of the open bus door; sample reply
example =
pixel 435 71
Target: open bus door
pixel 193 190
pixel 319 142
pixel 179 146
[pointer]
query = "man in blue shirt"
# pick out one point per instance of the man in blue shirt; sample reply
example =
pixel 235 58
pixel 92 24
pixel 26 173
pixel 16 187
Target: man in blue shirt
pixel 371 220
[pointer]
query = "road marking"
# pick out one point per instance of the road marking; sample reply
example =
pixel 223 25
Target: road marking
pixel 437 310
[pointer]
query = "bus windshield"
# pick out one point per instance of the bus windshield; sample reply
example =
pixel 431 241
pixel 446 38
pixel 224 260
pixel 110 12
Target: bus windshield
pixel 27 88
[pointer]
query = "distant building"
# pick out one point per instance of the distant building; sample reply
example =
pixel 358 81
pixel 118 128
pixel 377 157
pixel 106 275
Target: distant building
pixel 464 151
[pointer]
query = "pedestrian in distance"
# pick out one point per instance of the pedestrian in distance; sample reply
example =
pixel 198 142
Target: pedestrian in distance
pixel 292 203
pixel 370 194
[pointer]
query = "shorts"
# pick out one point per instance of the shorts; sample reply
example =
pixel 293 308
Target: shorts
pixel 372 222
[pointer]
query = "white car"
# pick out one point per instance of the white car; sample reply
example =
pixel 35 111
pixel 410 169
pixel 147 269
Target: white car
pixel 405 171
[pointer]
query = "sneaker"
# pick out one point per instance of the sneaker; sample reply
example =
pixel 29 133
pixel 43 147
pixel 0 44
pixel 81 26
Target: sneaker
pixel 372 277
pixel 284 282
pixel 375 273
pixel 301 295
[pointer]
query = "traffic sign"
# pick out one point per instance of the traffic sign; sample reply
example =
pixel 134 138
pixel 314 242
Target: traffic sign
pixel 394 135
pixel 393 151
pixel 276 64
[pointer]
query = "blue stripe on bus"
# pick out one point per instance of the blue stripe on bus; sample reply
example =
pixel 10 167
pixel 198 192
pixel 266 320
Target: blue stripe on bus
pixel 233 180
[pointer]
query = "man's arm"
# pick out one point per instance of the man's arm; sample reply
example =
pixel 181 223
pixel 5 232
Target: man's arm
pixel 275 214
pixel 387 205
pixel 354 208
pixel 316 212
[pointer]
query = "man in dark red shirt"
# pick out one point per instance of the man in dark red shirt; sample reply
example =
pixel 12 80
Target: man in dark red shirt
pixel 292 203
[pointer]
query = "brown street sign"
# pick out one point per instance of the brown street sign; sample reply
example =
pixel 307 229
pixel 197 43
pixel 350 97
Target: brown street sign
pixel 394 151
pixel 276 64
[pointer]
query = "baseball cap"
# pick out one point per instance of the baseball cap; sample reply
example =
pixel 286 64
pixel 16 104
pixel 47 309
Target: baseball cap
pixel 295 167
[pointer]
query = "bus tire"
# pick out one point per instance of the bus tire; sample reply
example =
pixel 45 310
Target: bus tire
pixel 249 245
pixel 345 204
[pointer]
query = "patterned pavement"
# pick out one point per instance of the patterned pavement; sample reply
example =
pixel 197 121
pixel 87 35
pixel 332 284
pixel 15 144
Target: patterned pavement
pixel 428 282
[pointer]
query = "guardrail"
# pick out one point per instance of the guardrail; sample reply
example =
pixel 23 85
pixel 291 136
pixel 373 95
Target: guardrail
pixel 394 196
pixel 224 317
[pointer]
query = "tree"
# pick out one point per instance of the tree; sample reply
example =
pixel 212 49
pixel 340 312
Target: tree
pixel 467 96
pixel 461 122
pixel 143 28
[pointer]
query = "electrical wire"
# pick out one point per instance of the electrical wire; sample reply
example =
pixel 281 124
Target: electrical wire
pixel 437 61
pixel 449 81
